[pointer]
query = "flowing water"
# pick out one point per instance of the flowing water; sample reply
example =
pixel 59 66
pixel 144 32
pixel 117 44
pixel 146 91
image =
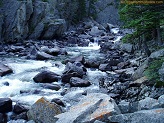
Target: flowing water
pixel 20 86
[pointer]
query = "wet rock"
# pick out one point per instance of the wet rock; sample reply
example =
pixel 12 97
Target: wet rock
pixel 4 70
pixel 78 82
pixel 18 108
pixel 75 67
pixel 148 103
pixel 43 111
pixel 95 106
pixel 66 77
pixel 138 82
pixel 92 63
pixel 161 101
pixel 106 46
pixel 46 77
pixel 1 118
pixel 5 105
pixel 6 83
pixel 144 116
pixel 78 59
pixel 52 86
pixel 124 106
pixel 161 73
pixel 105 67
pixel 97 121
pixel 43 56
pixel 21 116
pixel 58 101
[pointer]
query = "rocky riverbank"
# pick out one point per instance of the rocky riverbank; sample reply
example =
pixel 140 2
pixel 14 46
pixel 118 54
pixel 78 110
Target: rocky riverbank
pixel 124 95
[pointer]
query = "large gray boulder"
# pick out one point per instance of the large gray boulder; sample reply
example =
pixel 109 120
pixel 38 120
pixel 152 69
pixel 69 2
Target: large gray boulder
pixel 144 116
pixel 43 111
pixel 95 106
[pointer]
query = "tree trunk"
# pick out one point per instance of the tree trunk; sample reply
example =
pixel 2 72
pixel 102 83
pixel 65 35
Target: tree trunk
pixel 147 51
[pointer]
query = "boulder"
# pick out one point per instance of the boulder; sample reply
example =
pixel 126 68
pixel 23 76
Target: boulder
pixel 161 72
pixel 1 118
pixel 43 56
pixel 21 116
pixel 148 103
pixel 46 77
pixel 55 87
pixel 5 105
pixel 66 77
pixel 95 106
pixel 105 67
pixel 127 47
pixel 140 70
pixel 144 116
pixel 157 54
pixel 95 31
pixel 4 70
pixel 78 82
pixel 124 106
pixel 18 108
pixel 58 101
pixel 75 67
pixel 161 101
pixel 138 82
pixel 43 111
pixel 79 58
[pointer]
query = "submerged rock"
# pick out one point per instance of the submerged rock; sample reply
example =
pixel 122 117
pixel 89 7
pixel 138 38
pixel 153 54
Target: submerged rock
pixel 46 77
pixel 4 70
pixel 95 106
pixel 43 111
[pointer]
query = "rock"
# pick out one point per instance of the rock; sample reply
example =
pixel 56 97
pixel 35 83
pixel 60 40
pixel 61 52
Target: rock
pixel 75 67
pixel 52 86
pixel 54 51
pixel 46 77
pixel 66 77
pixel 138 82
pixel 148 103
pixel 5 105
pixel 105 67
pixel 94 106
pixel 140 70
pixel 4 70
pixel 157 54
pixel 17 121
pixel 1 118
pixel 18 108
pixel 127 47
pixel 92 63
pixel 95 31
pixel 124 107
pixel 77 82
pixel 134 106
pixel 58 101
pixel 78 59
pixel 21 116
pixel 43 56
pixel 106 46
pixel 161 101
pixel 97 121
pixel 161 72
pixel 122 65
pixel 144 116
pixel 43 111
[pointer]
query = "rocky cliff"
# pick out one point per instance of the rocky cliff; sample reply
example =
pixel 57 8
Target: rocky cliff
pixel 41 19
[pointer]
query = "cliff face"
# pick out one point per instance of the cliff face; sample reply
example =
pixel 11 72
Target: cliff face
pixel 28 20
pixel 41 19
